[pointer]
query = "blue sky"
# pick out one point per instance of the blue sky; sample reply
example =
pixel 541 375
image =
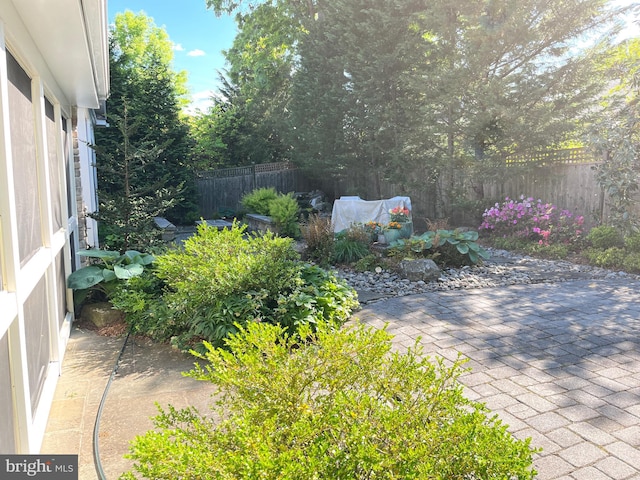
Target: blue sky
pixel 198 36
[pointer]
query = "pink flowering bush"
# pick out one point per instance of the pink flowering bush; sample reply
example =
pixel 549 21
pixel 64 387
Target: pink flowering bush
pixel 528 219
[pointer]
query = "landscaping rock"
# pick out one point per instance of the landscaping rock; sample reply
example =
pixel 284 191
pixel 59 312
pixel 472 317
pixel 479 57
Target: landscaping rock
pixel 101 314
pixel 168 229
pixel 423 269
pixel 502 269
pixel 260 223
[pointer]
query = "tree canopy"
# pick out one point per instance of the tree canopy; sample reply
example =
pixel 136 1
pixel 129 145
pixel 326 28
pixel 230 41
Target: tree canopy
pixel 350 88
pixel 144 158
pixel 616 135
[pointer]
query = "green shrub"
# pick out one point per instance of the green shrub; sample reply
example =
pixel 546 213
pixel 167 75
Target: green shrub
pixel 613 257
pixel 632 262
pixel 553 251
pixel 330 405
pixel 317 233
pixel 141 299
pixel 510 243
pixel 449 248
pixel 109 269
pixel 632 243
pixel 349 250
pixel 284 211
pixel 604 237
pixel 367 264
pixel 319 297
pixel 221 279
pixel 258 200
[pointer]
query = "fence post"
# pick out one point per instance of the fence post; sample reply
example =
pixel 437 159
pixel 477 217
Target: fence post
pixel 253 173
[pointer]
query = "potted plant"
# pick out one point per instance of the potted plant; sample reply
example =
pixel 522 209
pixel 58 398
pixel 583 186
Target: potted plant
pixel 375 230
pixel 392 231
pixel 402 215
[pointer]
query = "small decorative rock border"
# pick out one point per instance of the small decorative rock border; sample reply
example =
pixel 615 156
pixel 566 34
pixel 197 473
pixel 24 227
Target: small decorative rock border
pixel 502 269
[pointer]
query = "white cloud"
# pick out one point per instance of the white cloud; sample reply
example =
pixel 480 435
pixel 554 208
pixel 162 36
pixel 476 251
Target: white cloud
pixel 178 47
pixel 201 101
pixel 196 53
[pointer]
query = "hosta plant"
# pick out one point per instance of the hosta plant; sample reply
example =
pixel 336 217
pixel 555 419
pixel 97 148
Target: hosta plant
pixel 111 268
pixel 448 247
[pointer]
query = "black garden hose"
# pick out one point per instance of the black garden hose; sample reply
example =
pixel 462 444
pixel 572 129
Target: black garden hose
pixel 96 425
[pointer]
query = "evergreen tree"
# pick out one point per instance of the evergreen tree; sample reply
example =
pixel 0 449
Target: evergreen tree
pixel 143 84
pixel 128 202
pixel 248 122
pixel 438 87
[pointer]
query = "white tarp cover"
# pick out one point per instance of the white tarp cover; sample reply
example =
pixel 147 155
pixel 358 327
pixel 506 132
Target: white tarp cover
pixel 348 210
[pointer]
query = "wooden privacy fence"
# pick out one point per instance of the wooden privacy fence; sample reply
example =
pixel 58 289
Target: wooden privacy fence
pixel 565 178
pixel 566 156
pixel 223 189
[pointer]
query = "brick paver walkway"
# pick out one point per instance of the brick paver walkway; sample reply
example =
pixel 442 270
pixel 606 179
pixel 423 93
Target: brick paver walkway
pixel 557 362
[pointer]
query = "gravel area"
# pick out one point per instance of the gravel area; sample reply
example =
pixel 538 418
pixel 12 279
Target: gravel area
pixel 502 269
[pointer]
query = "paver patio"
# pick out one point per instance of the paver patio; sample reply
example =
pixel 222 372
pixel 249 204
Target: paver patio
pixel 557 362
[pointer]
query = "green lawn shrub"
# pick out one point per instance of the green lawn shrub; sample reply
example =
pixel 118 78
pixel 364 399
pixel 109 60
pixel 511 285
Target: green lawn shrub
pixel 556 251
pixel 632 262
pixel 607 258
pixel 285 212
pixel 605 237
pixel 350 246
pixel 334 404
pixel 510 243
pixel 283 209
pixel 632 243
pixel 147 313
pixel 222 278
pixel 258 200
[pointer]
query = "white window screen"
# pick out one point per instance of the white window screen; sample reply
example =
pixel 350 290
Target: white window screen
pixel 23 147
pixel 68 161
pixel 36 324
pixel 62 290
pixel 54 165
pixel 1 265
pixel 7 440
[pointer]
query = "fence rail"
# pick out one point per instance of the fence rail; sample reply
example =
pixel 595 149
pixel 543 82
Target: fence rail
pixel 223 189
pixel 248 170
pixel 567 156
pixel 563 177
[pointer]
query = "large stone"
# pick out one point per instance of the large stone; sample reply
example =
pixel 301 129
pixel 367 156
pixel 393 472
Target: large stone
pixel 421 269
pixel 168 229
pixel 101 314
pixel 260 223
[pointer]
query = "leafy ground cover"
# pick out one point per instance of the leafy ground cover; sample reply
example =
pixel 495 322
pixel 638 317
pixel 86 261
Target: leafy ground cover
pixel 223 279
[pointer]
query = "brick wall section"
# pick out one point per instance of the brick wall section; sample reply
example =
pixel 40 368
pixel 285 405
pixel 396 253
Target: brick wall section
pixel 82 222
